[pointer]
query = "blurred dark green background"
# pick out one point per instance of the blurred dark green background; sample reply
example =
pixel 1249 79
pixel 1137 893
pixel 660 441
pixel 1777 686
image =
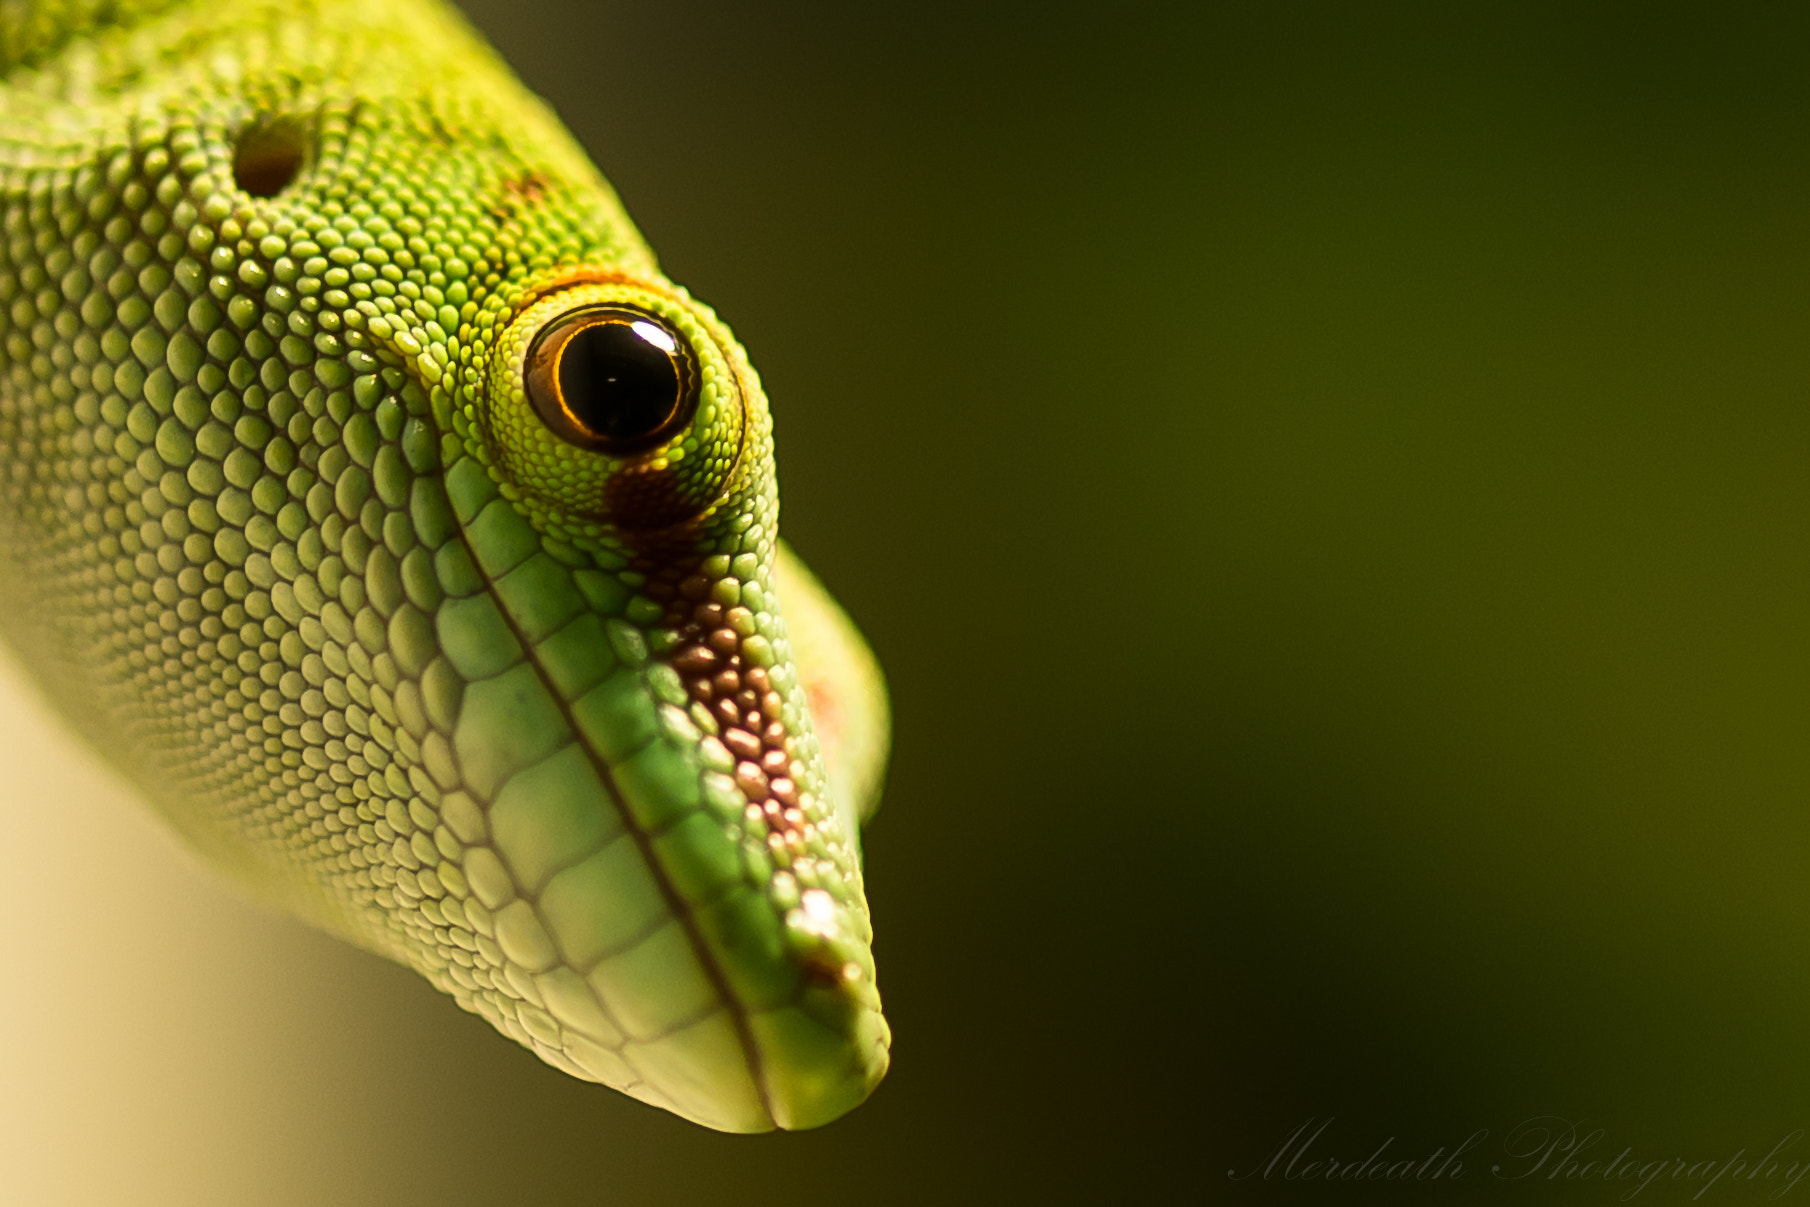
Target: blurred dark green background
pixel 1328 484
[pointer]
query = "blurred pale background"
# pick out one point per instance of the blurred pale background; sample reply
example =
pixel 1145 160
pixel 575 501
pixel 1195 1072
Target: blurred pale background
pixel 1328 483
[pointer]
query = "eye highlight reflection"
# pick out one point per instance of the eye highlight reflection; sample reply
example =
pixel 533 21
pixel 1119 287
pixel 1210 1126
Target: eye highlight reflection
pixel 611 378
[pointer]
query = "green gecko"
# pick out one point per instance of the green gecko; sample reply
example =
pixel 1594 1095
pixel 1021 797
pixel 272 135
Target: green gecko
pixel 374 504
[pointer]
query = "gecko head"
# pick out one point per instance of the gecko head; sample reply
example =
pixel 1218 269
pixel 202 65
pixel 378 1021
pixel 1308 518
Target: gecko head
pixel 670 899
pixel 424 546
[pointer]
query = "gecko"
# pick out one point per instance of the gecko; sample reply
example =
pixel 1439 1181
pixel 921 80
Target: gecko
pixel 375 506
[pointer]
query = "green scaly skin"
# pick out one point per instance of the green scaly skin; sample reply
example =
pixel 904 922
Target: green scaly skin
pixel 283 535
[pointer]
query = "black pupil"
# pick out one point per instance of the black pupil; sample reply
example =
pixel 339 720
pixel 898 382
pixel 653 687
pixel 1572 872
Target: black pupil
pixel 617 384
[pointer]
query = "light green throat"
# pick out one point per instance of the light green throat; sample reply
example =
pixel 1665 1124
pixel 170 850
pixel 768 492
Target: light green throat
pixel 373 502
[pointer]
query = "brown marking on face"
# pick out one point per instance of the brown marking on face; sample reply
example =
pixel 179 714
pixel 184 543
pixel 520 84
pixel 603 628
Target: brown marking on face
pixel 641 497
pixel 527 189
pixel 820 969
pixel 826 709
pixel 531 187
pixel 738 694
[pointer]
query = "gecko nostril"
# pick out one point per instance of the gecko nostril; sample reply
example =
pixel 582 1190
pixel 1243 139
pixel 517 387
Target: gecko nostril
pixel 268 157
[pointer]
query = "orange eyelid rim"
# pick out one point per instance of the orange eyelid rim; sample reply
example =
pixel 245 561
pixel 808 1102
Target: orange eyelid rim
pixel 582 275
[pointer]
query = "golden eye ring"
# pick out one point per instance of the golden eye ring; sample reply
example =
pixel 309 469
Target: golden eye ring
pixel 611 378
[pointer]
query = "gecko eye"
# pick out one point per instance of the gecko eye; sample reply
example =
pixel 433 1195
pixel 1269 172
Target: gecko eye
pixel 611 378
pixel 618 402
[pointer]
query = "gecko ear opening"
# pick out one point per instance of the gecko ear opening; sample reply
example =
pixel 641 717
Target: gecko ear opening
pixel 269 156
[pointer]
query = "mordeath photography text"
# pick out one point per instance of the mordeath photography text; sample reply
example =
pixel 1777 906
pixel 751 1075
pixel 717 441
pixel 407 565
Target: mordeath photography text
pixel 1542 1149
